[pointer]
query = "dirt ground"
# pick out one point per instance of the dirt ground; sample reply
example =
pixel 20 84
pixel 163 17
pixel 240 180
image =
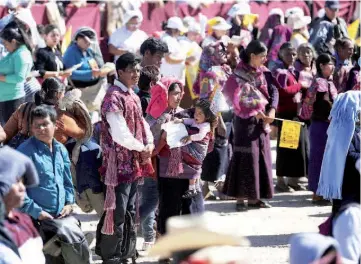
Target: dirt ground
pixel 268 230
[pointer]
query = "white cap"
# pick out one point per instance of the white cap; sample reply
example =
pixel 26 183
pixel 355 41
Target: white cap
pixel 239 9
pixel 176 23
pixel 132 13
pixel 298 21
pixel 294 10
pixel 221 24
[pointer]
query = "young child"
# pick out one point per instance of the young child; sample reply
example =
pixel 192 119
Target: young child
pixel 203 121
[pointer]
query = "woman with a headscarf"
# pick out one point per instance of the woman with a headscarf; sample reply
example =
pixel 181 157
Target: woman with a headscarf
pixel 84 56
pixel 173 64
pixel 164 107
pixel 275 18
pixel 129 37
pixel 249 175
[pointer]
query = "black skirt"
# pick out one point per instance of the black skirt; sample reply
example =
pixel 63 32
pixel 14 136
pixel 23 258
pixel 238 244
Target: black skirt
pixel 293 163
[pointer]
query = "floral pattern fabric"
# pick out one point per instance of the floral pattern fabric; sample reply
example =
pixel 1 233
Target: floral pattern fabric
pixel 129 166
pixel 319 85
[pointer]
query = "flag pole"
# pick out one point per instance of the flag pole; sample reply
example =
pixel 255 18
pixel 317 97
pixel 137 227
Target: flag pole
pixel 280 119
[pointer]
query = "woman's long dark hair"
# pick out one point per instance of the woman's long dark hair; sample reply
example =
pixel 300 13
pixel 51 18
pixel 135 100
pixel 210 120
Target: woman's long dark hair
pixel 323 59
pixel 49 90
pixel 49 28
pixel 17 30
pixel 254 47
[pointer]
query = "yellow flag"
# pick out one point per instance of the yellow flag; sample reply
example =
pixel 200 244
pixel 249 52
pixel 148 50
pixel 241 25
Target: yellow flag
pixel 290 135
pixel 66 39
pixel 353 29
pixel 191 76
pixel 249 19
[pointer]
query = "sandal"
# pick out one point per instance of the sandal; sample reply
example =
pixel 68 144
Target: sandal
pixel 189 194
pixel 259 205
pixel 241 207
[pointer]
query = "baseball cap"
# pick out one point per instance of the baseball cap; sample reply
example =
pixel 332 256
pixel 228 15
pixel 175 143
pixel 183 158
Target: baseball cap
pixel 332 4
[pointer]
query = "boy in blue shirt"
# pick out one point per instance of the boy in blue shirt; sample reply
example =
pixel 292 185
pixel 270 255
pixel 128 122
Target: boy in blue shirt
pixel 50 203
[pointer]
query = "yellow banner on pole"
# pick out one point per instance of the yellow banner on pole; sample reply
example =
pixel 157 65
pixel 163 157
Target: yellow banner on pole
pixel 290 134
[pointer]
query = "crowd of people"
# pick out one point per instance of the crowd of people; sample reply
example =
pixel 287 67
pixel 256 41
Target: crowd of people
pixel 99 134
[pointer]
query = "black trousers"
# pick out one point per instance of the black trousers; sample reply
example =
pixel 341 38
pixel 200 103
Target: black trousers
pixel 108 247
pixel 7 108
pixel 171 202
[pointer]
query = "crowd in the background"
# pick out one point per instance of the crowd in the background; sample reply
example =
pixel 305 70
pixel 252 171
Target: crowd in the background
pixel 98 133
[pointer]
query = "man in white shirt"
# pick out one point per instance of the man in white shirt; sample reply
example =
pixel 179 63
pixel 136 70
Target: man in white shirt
pixel 129 37
pixel 127 145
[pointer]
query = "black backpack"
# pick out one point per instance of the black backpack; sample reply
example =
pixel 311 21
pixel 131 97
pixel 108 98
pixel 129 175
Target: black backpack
pixel 129 243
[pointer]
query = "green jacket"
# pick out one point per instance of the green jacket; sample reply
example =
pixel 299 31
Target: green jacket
pixel 16 67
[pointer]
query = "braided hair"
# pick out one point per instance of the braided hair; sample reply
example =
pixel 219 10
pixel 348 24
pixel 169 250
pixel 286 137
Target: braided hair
pixel 211 118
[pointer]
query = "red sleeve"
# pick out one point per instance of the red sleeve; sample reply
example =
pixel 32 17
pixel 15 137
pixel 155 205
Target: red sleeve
pixel 293 89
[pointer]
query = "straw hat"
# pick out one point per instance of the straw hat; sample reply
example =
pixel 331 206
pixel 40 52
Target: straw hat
pixel 218 255
pixel 192 232
pixel 298 21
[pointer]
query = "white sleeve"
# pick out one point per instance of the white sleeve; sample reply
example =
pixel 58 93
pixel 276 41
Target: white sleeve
pixel 120 132
pixel 346 231
pixel 203 131
pixel 149 134
pixel 188 121
pixel 114 39
pixel 7 256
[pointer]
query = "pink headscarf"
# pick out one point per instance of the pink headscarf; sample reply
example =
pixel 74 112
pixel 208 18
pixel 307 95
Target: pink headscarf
pixel 159 96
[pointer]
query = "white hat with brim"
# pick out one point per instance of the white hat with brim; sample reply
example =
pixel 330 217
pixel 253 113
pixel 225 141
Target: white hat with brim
pixel 222 25
pixel 239 9
pixel 194 232
pixel 132 13
pixel 176 23
pixel 298 21
pixel 294 10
